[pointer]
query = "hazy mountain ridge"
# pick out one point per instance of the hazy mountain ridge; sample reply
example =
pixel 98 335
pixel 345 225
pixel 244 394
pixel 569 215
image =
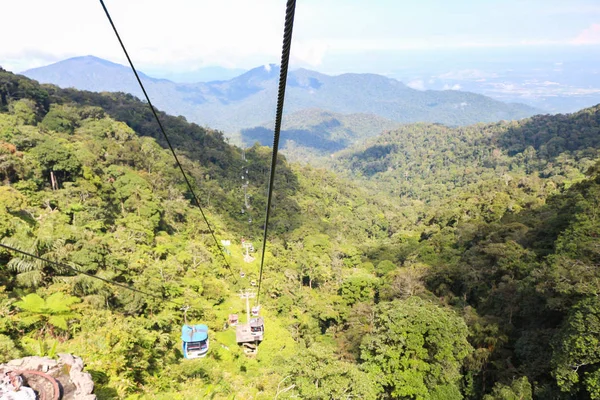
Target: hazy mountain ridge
pixel 249 99
pixel 314 132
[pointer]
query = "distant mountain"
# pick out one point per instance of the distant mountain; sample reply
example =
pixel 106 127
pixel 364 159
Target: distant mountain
pixel 91 73
pixel 311 132
pixel 249 99
pixel 204 74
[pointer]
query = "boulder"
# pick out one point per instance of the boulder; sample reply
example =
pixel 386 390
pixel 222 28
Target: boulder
pixel 62 379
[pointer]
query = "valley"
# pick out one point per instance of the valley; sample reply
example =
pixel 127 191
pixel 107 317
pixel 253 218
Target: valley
pixel 428 261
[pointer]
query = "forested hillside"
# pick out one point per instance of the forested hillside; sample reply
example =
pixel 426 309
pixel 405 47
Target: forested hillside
pixel 431 161
pixel 466 268
pixel 508 234
pixel 119 210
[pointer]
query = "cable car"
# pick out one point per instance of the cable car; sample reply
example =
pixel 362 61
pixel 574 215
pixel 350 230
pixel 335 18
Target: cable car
pixel 195 340
pixel 257 328
pixel 255 311
pixel 253 331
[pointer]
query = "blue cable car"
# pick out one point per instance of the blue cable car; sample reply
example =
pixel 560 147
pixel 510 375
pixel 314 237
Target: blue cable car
pixel 195 340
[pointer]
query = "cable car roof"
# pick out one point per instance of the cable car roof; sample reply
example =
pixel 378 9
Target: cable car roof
pixel 194 333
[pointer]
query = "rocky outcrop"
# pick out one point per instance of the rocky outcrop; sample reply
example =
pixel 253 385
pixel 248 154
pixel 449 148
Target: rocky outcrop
pixel 48 376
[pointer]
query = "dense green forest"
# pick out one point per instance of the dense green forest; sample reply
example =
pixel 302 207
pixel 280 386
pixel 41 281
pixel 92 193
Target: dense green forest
pixel 437 263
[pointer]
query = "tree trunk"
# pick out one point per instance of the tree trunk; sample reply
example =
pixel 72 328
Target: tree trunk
pixel 53 181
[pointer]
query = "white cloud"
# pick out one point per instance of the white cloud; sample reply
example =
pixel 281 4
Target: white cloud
pixel 453 87
pixel 181 33
pixel 308 52
pixel 187 34
pixel 590 35
pixel 468 74
pixel 416 84
pixel 504 87
pixel 569 8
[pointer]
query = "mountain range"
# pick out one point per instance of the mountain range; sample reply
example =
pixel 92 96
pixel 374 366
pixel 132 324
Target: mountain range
pixel 249 99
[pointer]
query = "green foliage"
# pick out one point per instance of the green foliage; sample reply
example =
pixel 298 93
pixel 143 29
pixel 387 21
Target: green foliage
pixel 11 202
pixel 8 350
pixel 416 349
pixel 487 233
pixel 49 240
pixel 16 87
pixel 520 389
pixel 11 163
pixel 25 111
pixel 317 373
pixel 429 162
pixel 385 267
pixel 39 347
pixel 62 119
pixel 358 288
pixel 128 350
pixel 56 156
pixel 53 312
pixel 576 359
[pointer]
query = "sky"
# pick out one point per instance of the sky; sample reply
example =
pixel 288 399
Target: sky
pixel 330 36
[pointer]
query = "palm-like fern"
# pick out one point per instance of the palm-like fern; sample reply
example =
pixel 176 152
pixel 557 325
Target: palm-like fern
pixel 54 312
pixel 32 271
pixel 29 270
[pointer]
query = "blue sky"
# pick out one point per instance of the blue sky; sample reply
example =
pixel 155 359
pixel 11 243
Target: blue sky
pixel 330 35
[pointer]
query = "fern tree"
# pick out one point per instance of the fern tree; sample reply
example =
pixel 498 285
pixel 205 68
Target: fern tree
pixel 47 315
pixel 31 271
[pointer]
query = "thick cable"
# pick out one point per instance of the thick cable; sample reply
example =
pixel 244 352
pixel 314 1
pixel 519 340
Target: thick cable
pixel 63 265
pixel 162 129
pixel 285 60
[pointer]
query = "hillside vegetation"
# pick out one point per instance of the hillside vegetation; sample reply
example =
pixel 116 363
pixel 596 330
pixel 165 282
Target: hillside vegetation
pixel 431 161
pixel 481 288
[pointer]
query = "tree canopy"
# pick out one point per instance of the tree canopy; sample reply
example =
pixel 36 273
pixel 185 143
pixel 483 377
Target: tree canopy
pixel 432 263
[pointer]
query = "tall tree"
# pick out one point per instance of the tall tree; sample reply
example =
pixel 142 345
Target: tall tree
pixel 416 350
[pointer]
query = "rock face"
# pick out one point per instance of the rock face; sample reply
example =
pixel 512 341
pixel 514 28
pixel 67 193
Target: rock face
pixel 48 376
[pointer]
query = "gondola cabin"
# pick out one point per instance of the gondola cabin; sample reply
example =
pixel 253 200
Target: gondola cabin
pixel 250 332
pixel 195 340
pixel 257 328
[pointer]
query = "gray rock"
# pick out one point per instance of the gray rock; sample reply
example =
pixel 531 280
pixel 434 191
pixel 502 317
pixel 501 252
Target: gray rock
pixel 66 358
pixel 67 370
